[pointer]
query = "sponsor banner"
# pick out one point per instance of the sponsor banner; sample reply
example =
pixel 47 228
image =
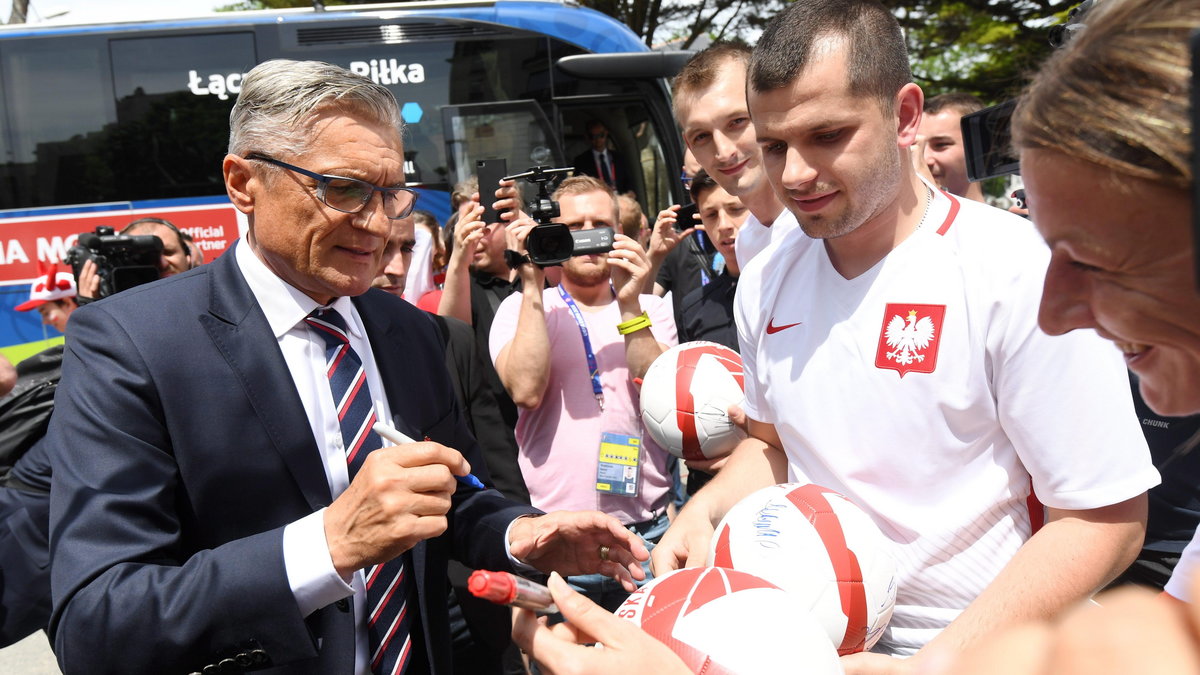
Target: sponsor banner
pixel 25 240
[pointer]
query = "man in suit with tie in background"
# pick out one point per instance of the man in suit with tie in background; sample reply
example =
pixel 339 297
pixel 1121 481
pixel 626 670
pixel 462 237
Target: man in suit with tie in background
pixel 601 162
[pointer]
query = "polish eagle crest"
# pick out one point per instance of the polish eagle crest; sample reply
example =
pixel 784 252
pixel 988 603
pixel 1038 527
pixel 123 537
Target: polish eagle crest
pixel 910 336
pixel 907 338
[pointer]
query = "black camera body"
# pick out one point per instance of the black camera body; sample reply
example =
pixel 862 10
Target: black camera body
pixel 551 243
pixel 122 260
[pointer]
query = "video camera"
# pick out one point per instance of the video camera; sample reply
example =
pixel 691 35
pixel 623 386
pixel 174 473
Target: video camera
pixel 122 260
pixel 551 243
pixel 987 134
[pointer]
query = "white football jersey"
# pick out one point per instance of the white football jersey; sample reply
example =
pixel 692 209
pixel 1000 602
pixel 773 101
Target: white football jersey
pixel 754 237
pixel 924 391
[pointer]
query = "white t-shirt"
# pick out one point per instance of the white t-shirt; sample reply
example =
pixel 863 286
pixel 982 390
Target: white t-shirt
pixel 559 441
pixel 1179 585
pixel 753 236
pixel 419 279
pixel 938 434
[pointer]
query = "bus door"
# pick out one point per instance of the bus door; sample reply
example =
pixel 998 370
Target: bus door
pixel 633 134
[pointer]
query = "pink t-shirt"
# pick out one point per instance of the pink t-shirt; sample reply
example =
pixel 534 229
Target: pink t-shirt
pixel 560 439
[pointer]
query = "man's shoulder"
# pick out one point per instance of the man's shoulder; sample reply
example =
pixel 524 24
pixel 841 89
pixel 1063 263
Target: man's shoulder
pixel 777 256
pixel 164 297
pixel 714 292
pixel 381 306
pixel 979 225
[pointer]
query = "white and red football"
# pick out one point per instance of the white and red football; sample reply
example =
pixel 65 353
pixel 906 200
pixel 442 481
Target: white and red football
pixel 685 398
pixel 820 547
pixel 725 622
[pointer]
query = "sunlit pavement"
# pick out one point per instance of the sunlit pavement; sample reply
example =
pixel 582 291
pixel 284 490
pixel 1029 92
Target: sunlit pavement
pixel 31 656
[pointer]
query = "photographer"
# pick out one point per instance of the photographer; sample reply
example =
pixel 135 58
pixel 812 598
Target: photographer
pixel 172 257
pixel 569 356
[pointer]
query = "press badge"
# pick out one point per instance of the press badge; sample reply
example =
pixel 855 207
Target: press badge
pixel 618 468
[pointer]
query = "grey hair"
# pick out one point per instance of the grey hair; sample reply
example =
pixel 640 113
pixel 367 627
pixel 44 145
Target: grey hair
pixel 280 97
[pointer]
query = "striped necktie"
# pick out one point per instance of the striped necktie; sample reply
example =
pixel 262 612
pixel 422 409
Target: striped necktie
pixel 606 170
pixel 389 635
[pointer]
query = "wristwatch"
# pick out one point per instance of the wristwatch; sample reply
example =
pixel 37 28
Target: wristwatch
pixel 514 259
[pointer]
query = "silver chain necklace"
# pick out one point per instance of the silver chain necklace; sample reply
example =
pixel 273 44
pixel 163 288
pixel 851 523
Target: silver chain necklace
pixel 928 200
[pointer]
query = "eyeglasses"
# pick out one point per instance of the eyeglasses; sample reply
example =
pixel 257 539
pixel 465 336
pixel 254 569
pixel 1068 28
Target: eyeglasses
pixel 350 195
pixel 685 179
pixel 598 135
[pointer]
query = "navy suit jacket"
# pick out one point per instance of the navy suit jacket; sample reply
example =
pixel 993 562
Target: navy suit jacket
pixel 181 449
pixel 585 165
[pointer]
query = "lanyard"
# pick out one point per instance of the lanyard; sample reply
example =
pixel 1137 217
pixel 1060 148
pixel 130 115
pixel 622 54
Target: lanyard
pixel 703 258
pixel 593 369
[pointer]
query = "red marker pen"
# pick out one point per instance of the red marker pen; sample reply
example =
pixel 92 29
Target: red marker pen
pixel 503 588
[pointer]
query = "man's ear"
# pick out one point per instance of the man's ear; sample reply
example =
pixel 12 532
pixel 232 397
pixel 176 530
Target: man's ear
pixel 910 101
pixel 240 182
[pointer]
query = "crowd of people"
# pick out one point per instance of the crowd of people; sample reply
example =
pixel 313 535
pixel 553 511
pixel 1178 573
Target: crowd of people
pixel 235 509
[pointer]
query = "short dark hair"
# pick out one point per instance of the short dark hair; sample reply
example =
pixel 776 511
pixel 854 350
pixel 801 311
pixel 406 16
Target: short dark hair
pixel 877 59
pixel 958 101
pixel 702 68
pixel 701 183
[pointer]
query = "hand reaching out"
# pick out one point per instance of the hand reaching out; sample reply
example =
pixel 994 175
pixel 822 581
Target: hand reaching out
pixel 664 237
pixel 562 650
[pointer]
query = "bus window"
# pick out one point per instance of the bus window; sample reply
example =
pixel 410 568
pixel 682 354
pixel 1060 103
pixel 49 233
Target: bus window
pixel 173 97
pixel 633 136
pixel 428 75
pixel 57 97
pixel 516 131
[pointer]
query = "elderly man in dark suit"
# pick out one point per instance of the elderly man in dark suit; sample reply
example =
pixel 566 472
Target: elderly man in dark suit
pixel 220 501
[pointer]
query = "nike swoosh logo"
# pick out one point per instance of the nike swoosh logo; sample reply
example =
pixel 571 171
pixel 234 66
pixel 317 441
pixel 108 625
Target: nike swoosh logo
pixel 773 329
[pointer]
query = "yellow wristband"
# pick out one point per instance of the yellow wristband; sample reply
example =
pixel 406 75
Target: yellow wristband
pixel 634 325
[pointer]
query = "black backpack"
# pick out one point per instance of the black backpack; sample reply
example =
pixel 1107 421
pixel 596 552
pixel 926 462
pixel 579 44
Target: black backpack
pixel 25 412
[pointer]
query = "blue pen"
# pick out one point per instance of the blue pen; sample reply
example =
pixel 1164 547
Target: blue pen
pixel 393 435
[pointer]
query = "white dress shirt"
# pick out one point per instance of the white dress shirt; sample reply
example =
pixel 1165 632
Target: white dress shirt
pixel 311 574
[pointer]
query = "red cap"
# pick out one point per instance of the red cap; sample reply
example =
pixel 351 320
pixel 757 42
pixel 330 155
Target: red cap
pixel 50 285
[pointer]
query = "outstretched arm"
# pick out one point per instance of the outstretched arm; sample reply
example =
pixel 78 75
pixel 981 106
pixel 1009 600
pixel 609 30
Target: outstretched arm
pixel 757 462
pixel 456 291
pixel 1073 556
pixel 562 650
pixel 664 237
pixel 524 363
pixel 630 271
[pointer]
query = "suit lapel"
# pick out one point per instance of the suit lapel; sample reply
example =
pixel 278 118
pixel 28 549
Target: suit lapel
pixel 239 329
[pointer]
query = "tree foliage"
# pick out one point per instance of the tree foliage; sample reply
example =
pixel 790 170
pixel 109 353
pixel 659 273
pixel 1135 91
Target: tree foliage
pixel 684 23
pixel 984 47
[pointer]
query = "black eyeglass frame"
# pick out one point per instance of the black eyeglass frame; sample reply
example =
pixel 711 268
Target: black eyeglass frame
pixel 323 181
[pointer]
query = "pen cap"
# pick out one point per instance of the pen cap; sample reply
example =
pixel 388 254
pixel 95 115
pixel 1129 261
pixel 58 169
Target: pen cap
pixel 497 587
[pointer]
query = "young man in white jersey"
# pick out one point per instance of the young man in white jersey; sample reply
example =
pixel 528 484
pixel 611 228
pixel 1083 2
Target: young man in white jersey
pixel 892 354
pixel 710 106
